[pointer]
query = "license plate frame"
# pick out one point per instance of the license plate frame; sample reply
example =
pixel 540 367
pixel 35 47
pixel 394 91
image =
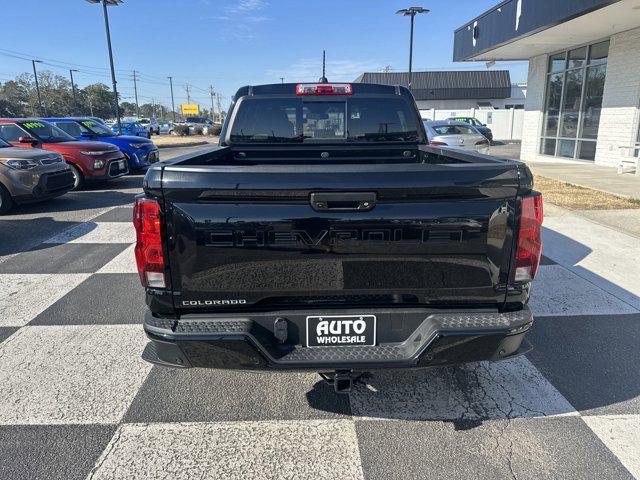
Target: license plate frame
pixel 347 327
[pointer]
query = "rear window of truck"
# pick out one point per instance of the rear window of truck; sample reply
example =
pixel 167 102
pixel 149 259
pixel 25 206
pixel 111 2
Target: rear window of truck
pixel 296 120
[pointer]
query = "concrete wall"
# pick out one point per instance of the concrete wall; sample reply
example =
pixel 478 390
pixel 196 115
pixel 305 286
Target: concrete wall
pixel 619 118
pixel 533 108
pixel 467 104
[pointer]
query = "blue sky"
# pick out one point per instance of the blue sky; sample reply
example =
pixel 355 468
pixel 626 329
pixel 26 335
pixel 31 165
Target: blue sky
pixel 229 43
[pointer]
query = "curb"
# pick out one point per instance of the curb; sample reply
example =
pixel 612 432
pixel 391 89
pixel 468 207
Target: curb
pixel 191 144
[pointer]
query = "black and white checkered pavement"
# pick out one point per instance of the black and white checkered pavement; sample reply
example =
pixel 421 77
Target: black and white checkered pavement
pixel 76 400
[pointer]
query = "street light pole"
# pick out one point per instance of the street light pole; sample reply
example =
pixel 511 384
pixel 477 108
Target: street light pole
pixel 41 107
pixel 73 90
pixel 411 12
pixel 173 104
pixel 111 3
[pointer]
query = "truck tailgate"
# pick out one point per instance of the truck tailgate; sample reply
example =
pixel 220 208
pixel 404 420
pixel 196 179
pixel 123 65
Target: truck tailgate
pixel 265 237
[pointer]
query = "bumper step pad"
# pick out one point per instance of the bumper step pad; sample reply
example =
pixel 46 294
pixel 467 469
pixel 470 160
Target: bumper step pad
pixel 437 332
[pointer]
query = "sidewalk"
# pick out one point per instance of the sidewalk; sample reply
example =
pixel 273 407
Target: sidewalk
pixel 605 179
pixel 596 177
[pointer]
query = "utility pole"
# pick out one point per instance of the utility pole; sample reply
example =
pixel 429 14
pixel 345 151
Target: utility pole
pixel 281 79
pixel 73 90
pixel 411 12
pixel 219 109
pixel 212 93
pixel 111 3
pixel 41 107
pixel 173 103
pixel 135 91
pixel 186 89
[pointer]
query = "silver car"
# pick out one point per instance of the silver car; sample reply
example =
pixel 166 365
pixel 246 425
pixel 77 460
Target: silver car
pixel 30 175
pixel 167 128
pixel 447 133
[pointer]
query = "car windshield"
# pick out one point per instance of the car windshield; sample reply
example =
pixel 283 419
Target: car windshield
pixel 453 130
pixel 294 120
pixel 46 132
pixel 143 121
pixel 95 128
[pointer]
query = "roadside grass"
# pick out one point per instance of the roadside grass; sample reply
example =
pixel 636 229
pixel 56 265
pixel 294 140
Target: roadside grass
pixel 176 141
pixel 574 197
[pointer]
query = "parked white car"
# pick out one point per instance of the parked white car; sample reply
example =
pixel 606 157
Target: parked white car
pixel 447 133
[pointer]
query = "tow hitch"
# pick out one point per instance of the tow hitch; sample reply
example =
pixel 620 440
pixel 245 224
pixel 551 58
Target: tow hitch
pixel 342 380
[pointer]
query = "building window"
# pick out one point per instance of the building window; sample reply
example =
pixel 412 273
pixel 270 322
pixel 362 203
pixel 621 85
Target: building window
pixel 573 102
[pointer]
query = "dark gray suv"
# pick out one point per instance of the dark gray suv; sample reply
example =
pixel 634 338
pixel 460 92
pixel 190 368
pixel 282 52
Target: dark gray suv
pixel 31 175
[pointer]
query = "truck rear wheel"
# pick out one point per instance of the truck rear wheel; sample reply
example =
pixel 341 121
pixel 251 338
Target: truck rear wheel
pixel 6 202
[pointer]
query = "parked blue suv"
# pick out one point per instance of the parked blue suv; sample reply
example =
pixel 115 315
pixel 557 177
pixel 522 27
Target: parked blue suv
pixel 132 128
pixel 140 152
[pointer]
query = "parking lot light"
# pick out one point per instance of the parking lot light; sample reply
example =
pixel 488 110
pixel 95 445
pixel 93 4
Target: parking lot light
pixel 105 4
pixel 411 12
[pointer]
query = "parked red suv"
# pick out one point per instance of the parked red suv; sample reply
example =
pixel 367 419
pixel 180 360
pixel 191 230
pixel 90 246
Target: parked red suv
pixel 89 161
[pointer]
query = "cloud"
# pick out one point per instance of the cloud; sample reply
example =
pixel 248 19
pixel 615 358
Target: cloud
pixel 307 69
pixel 244 14
pixel 246 6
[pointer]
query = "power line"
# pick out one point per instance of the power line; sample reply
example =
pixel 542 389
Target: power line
pixel 90 69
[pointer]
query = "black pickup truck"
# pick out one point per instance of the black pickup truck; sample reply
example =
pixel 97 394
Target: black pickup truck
pixel 324 233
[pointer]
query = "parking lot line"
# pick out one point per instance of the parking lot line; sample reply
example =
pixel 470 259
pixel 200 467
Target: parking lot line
pixel 97 232
pixel 23 296
pixel 319 450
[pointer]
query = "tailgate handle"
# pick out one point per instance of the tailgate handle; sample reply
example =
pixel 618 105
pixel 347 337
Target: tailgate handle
pixel 343 201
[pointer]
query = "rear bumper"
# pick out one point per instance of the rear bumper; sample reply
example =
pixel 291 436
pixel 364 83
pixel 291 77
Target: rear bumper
pixel 407 338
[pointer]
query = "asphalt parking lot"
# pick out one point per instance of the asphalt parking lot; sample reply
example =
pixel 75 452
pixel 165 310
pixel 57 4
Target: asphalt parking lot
pixel 78 402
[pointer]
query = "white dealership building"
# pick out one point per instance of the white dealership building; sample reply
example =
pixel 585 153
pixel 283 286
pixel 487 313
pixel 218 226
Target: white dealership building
pixel 583 95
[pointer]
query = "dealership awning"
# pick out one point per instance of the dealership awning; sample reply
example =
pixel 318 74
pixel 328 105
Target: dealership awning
pixel 521 29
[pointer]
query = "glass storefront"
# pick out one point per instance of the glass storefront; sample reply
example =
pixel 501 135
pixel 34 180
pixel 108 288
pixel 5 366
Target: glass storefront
pixel 573 102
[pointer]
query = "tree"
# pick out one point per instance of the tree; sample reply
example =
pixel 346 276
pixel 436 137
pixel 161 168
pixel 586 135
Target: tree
pixel 56 95
pixel 97 101
pixel 128 109
pixel 14 100
pixel 19 98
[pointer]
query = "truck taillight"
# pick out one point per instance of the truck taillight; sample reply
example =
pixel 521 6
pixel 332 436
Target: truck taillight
pixel 529 247
pixel 324 89
pixel 149 250
pixel 438 144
